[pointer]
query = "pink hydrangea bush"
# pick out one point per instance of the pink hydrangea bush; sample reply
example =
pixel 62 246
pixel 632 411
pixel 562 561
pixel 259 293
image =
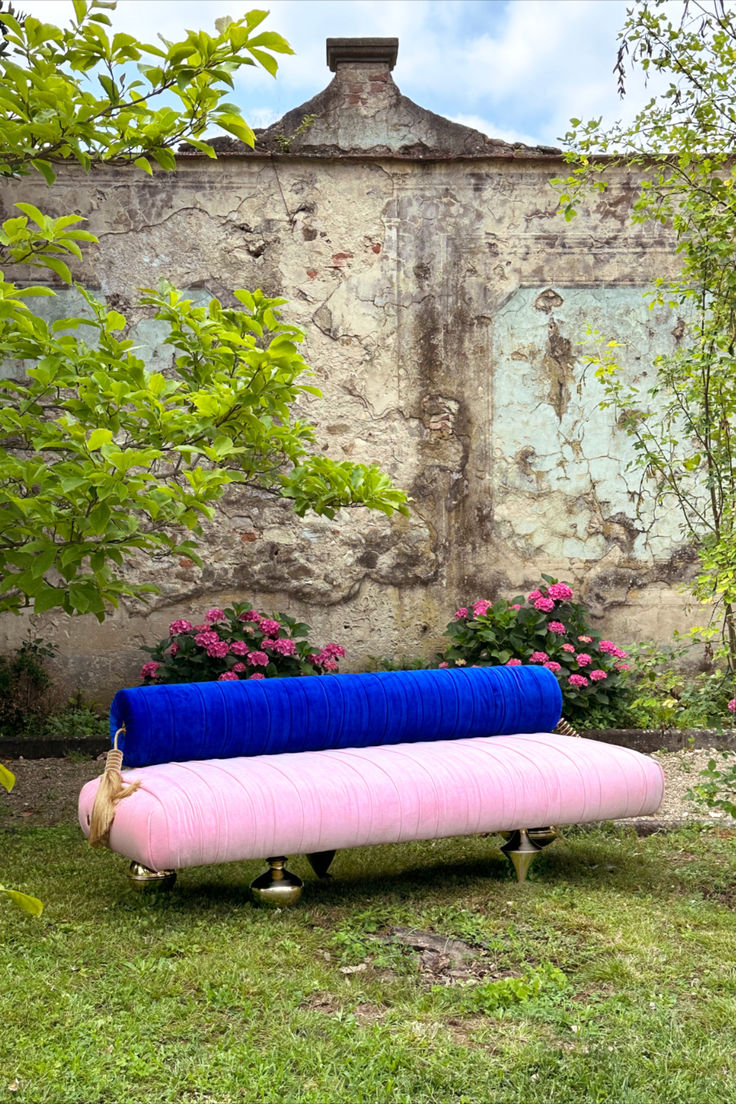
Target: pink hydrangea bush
pixel 237 643
pixel 547 628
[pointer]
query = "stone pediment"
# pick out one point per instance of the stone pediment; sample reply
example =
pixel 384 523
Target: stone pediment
pixel 362 113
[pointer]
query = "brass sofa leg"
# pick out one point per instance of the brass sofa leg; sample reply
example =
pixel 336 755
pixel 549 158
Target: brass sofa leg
pixel 520 849
pixel 277 887
pixel 320 862
pixel 144 880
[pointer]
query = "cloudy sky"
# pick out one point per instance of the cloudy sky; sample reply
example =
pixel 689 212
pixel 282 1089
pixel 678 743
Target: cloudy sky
pixel 515 69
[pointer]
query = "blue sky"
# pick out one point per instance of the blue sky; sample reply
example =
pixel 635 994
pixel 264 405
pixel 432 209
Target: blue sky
pixel 515 69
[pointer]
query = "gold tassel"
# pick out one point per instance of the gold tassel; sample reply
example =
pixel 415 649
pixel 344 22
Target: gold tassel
pixel 564 728
pixel 110 791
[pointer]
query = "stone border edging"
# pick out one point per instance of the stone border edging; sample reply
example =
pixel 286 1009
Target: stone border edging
pixel 649 740
pixel 646 740
pixel 45 748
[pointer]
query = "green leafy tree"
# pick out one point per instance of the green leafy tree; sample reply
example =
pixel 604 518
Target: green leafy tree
pixel 681 145
pixel 100 457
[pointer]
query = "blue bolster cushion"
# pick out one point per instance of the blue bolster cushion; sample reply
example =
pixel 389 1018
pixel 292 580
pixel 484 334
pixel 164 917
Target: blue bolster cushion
pixel 222 720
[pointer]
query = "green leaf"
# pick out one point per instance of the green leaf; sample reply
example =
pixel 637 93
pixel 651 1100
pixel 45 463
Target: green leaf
pixel 98 438
pixel 56 266
pixel 7 778
pixel 145 164
pixel 165 159
pixel 44 168
pixel 238 127
pixel 114 321
pixel 269 40
pixel 33 212
pixel 46 598
pixel 22 900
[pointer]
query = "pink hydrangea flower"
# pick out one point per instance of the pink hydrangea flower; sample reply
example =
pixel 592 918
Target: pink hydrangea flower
pixel 568 647
pixel 443 664
pixel 461 613
pixel 557 627
pixel 534 595
pixel 538 657
pixel 218 650
pixel 250 615
pixel 619 654
pixel 181 626
pixel 622 667
pixel 257 659
pixel 206 639
pixel 545 605
pixel 596 676
pixel 481 607
pixel 148 670
pixel 227 676
pixel 513 663
pixel 561 592
pixel 269 627
pixel 284 647
pixel 585 639
pixel 206 627
pixel 552 666
pixel 516 606
pixel 608 646
pixel 732 705
pixel 334 651
pixel 584 659
pixel 257 675
pixel 239 647
pixel 174 649
pixel 215 614
pixel 329 664
pixel 578 681
pixel 238 668
pixel 267 642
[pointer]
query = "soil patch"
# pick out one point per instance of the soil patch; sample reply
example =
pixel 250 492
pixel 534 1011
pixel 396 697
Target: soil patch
pixel 46 791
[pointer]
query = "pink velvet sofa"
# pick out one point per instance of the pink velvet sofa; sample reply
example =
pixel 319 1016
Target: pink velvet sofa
pixel 422 767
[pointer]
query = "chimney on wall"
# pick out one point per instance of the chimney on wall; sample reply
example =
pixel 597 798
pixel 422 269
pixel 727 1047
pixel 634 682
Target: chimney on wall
pixel 377 53
pixel 362 68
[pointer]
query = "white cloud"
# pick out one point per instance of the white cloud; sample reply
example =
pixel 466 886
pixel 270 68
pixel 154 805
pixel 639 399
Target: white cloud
pixel 493 131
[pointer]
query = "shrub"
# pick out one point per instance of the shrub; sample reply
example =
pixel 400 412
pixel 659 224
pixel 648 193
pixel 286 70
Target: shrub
pixel 76 721
pixel 237 643
pixel 717 786
pixel 664 695
pixel 25 686
pixel 549 628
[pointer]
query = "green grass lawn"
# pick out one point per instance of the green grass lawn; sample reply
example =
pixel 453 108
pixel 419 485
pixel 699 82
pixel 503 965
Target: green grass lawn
pixel 610 976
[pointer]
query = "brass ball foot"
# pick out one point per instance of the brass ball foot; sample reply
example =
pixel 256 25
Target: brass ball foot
pixel 277 887
pixel 542 837
pixel 144 880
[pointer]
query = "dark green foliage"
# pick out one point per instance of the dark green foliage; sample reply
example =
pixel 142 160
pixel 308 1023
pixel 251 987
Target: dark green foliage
pixel 24 686
pixel 237 643
pixel 548 628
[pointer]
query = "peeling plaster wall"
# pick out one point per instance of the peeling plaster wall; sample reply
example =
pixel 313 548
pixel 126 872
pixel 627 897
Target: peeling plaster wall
pixel 444 303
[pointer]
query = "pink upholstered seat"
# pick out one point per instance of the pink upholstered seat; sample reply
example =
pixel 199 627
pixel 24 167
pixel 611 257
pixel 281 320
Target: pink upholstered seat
pixel 218 810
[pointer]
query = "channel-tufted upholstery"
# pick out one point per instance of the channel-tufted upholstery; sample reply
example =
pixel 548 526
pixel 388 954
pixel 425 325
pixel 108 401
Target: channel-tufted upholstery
pixel 245 770
pixel 219 720
pixel 188 814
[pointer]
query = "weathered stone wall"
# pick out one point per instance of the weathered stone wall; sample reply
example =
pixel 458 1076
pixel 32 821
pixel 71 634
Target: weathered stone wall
pixel 444 302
